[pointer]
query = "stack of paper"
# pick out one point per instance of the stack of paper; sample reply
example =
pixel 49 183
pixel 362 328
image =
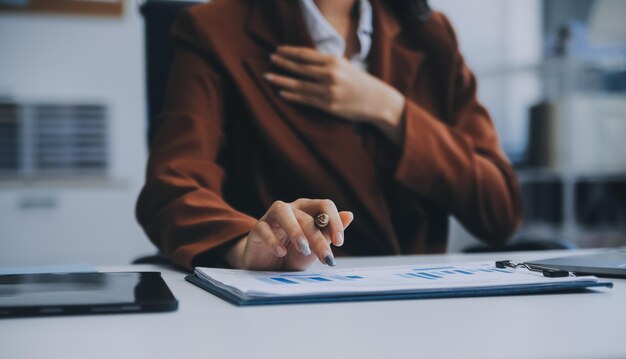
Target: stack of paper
pixel 391 282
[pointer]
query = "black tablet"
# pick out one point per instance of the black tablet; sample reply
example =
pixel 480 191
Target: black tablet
pixel 84 293
pixel 607 263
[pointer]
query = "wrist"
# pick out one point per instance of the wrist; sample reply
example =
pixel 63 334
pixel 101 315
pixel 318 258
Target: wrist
pixel 390 113
pixel 234 254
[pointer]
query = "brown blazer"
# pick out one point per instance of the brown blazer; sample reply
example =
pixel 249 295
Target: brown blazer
pixel 227 146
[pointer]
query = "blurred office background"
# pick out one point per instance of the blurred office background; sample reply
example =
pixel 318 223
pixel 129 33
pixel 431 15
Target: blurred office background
pixel 73 121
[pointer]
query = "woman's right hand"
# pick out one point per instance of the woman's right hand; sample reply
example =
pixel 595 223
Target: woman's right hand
pixel 286 237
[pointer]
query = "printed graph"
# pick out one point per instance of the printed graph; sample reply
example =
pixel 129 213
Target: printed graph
pixel 308 278
pixel 399 276
pixel 442 272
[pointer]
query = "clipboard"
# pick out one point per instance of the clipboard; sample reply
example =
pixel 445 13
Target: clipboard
pixel 409 282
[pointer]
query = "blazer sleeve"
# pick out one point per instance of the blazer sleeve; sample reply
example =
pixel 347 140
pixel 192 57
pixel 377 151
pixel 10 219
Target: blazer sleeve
pixel 457 163
pixel 181 207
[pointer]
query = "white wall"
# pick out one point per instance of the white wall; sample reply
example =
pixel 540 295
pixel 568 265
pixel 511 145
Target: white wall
pixel 501 42
pixel 69 58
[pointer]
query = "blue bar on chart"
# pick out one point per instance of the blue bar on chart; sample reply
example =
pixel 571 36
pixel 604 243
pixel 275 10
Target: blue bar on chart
pixel 277 280
pixel 431 268
pixel 307 278
pixel 429 275
pixel 462 271
pixel 347 277
pixel 284 280
pixel 422 275
pixel 444 272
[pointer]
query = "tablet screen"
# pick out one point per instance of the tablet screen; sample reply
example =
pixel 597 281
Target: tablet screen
pixel 76 293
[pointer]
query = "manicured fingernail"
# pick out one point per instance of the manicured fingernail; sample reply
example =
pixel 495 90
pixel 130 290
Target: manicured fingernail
pixel 304 246
pixel 268 76
pixel 273 57
pixel 280 251
pixel 339 239
pixel 330 260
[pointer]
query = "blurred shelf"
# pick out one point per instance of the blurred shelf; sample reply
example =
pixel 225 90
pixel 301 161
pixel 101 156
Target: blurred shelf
pixel 62 183
pixel 531 174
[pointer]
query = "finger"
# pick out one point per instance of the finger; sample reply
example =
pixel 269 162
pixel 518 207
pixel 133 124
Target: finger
pixel 307 100
pixel 282 213
pixel 262 233
pixel 316 206
pixel 314 72
pixel 280 234
pixel 298 86
pixel 346 218
pixel 304 54
pixel 319 245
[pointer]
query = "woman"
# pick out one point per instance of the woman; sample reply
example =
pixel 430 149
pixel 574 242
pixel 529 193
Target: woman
pixel 277 111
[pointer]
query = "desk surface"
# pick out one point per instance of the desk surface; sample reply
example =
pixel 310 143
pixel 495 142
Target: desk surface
pixel 579 325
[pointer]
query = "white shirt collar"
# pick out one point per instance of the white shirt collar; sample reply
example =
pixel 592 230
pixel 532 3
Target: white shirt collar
pixel 327 39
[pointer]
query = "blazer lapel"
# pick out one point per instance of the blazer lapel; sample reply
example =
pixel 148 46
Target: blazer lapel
pixel 278 22
pixel 390 59
pixel 334 140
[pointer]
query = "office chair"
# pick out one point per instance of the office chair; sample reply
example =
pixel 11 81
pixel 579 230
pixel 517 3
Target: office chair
pixel 159 16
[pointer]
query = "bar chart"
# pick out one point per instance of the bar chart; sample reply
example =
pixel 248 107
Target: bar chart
pixel 426 273
pixel 308 278
pixel 436 273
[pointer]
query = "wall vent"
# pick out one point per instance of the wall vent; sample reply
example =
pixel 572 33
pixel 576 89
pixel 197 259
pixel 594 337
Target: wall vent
pixel 52 140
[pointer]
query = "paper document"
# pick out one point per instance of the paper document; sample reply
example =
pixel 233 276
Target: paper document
pixel 374 279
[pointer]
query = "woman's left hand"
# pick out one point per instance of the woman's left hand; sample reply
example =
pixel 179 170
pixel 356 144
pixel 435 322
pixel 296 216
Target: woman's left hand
pixel 334 85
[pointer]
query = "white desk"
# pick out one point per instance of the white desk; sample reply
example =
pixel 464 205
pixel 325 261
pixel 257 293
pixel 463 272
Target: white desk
pixel 581 325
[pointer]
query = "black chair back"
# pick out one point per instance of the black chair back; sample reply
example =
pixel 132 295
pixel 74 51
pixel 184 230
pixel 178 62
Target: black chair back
pixel 159 16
